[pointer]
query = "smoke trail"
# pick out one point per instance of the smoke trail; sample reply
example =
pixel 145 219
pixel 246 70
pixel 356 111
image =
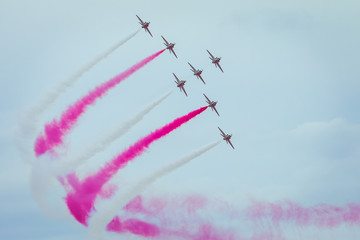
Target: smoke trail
pixel 64 167
pixel 98 222
pixel 51 97
pixel 29 120
pixel 132 225
pixel 259 221
pixel 55 131
pixel 201 231
pixel 81 200
pixel 177 217
pixel 42 188
pixel 321 215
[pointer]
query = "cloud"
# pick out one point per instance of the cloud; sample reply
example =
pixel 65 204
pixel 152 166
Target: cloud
pixel 335 139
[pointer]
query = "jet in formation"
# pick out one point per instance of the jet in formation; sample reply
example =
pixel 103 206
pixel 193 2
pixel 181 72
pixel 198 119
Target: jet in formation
pixel 211 104
pixel 226 137
pixel 145 25
pixel 197 72
pixel 180 84
pixel 169 46
pixel 215 60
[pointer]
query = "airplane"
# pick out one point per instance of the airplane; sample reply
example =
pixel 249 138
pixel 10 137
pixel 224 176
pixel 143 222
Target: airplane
pixel 169 46
pixel 145 25
pixel 197 72
pixel 180 84
pixel 212 104
pixel 215 60
pixel 226 137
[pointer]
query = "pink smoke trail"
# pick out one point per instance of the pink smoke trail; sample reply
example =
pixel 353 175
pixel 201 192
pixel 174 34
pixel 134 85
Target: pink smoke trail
pixel 55 131
pixel 191 212
pixel 178 217
pixel 80 200
pixel 321 215
pixel 134 226
pixel 205 231
pixel 105 214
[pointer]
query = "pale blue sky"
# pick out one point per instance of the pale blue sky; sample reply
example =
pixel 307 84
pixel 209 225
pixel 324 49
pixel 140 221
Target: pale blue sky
pixel 289 94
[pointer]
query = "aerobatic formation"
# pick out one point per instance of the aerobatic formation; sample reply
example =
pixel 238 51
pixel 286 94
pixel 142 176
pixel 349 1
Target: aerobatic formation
pixel 124 210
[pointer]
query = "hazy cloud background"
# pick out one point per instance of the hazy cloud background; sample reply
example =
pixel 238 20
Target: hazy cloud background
pixel 289 94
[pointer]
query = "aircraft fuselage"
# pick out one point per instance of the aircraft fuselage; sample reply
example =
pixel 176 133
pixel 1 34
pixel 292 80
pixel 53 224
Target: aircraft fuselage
pixel 181 84
pixel 212 104
pixel 216 60
pixel 197 72
pixel 170 46
pixel 145 25
pixel 227 137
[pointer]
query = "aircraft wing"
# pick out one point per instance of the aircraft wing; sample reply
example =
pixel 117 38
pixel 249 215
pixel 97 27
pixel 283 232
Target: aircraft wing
pixel 165 40
pixel 231 144
pixel 221 131
pixel 216 111
pixel 210 54
pixel 206 97
pixel 184 90
pixel 149 32
pixel 219 67
pixel 192 66
pixel 202 79
pixel 140 19
pixel 172 50
pixel 176 77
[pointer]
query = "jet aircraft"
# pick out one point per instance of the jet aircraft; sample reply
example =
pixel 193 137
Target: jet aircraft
pixel 145 25
pixel 211 104
pixel 215 60
pixel 226 137
pixel 180 84
pixel 169 46
pixel 197 72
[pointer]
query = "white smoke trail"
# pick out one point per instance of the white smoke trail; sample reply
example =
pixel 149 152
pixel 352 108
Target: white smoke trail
pixel 103 216
pixel 44 190
pixel 52 96
pixel 29 121
pixel 66 166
